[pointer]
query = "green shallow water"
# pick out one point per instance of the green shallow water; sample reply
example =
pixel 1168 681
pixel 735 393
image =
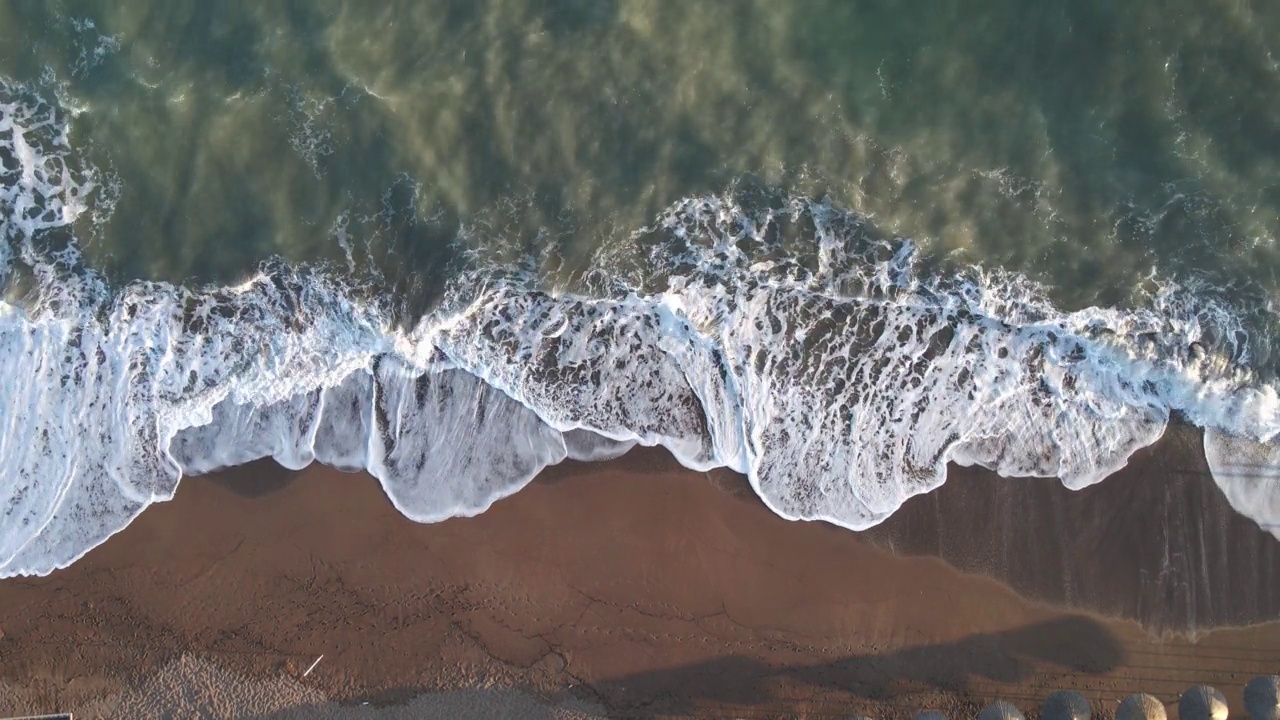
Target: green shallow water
pixel 1081 142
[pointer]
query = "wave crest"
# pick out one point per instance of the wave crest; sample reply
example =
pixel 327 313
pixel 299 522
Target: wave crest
pixel 784 340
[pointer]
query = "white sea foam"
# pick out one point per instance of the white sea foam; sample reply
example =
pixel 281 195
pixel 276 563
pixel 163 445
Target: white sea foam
pixel 782 341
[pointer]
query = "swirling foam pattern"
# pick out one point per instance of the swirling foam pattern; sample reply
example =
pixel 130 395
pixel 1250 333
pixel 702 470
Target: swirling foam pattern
pixel 784 341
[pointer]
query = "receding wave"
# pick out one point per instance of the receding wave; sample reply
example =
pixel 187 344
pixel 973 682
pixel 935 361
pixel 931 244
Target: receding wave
pixel 784 340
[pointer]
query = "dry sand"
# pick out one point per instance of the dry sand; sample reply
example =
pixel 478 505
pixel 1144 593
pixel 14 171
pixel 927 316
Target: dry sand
pixel 636 588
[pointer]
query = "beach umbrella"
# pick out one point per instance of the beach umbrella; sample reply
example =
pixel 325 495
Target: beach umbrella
pixel 1140 706
pixel 1202 703
pixel 1066 705
pixel 1262 697
pixel 1001 710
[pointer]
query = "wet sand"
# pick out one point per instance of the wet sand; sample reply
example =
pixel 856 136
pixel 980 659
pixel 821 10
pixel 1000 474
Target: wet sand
pixel 637 588
pixel 1156 543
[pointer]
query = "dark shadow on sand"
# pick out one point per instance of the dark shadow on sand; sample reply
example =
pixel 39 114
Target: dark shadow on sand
pixel 1076 644
pixel 253 480
pixel 651 461
pixel 639 460
pixel 1157 542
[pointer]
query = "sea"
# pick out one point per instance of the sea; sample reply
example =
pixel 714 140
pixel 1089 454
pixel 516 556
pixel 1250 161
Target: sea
pixel 833 245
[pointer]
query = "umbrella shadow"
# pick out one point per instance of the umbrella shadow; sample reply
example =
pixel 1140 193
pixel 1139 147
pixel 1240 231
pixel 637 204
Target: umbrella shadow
pixel 1075 644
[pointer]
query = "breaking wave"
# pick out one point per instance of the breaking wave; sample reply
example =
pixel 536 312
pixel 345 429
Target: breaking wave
pixel 784 340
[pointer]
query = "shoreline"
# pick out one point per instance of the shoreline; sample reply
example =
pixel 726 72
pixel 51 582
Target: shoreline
pixel 629 587
pixel 1174 548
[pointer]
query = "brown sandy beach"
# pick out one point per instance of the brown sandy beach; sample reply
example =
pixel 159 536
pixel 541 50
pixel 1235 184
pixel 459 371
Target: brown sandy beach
pixel 636 588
